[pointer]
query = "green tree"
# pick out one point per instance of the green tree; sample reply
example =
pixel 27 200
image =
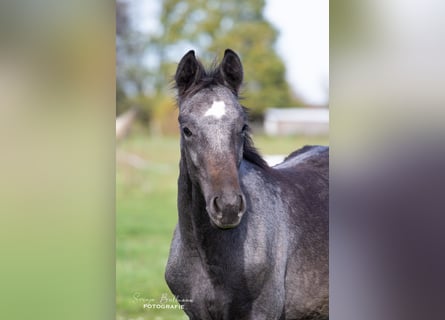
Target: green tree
pixel 211 26
pixel 131 74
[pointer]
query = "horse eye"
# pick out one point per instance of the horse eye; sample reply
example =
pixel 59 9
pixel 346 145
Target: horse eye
pixel 244 129
pixel 186 132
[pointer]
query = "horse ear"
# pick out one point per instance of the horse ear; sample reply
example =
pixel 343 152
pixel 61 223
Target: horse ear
pixel 232 70
pixel 189 70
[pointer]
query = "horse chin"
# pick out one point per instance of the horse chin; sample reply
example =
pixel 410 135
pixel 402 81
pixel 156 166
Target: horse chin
pixel 223 226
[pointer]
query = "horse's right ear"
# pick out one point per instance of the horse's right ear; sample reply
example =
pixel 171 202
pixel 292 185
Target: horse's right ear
pixel 189 70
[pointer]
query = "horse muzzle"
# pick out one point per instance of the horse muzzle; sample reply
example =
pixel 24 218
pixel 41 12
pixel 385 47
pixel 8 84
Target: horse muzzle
pixel 226 210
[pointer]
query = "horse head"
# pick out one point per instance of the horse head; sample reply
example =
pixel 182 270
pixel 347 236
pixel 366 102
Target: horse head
pixel 213 128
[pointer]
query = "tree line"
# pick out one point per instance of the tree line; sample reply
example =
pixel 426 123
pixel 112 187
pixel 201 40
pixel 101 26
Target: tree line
pixel 145 63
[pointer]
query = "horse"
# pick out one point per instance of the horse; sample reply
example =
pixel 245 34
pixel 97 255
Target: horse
pixel 251 240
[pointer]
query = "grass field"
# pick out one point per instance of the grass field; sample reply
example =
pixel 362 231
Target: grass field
pixel 146 174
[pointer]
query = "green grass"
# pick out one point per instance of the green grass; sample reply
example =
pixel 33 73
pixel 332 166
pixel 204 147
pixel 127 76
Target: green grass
pixel 145 218
pixel 147 170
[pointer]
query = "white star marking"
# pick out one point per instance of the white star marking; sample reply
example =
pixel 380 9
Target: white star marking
pixel 217 110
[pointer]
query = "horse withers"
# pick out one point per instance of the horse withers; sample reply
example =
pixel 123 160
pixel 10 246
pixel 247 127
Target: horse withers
pixel 251 240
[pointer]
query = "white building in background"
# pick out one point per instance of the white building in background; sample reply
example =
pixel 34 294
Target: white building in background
pixel 290 121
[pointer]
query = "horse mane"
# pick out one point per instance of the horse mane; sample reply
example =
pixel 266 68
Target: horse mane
pixel 206 78
pixel 250 152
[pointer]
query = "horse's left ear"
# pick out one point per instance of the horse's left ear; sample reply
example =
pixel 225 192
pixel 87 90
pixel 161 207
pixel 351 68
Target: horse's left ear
pixel 232 70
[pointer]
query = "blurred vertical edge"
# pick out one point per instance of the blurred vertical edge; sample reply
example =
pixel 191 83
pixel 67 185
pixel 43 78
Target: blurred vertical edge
pixel 57 129
pixel 387 138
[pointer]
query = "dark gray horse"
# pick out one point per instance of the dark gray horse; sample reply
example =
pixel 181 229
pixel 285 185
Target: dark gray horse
pixel 251 241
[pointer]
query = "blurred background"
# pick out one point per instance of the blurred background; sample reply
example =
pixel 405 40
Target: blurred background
pixel 285 59
pixel 60 216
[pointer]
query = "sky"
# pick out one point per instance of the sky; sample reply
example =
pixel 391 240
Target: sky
pixel 303 41
pixel 303 44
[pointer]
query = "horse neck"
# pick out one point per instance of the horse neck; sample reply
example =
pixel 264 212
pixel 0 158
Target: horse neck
pixel 197 234
pixel 192 215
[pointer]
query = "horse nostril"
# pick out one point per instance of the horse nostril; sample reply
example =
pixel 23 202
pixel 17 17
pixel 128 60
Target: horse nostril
pixel 237 203
pixel 242 205
pixel 216 206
